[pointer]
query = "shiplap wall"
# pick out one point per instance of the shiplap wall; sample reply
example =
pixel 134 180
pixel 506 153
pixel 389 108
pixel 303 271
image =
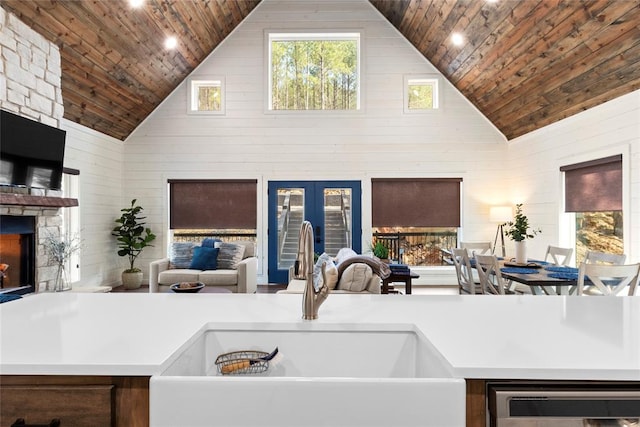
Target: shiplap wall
pixel 379 141
pixel 98 157
pixel 534 161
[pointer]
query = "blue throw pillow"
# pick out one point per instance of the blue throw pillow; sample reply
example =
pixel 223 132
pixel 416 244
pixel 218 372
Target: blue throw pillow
pixel 204 258
pixel 210 242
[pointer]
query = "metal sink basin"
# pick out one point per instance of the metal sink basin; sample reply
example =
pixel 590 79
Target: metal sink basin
pixel 328 375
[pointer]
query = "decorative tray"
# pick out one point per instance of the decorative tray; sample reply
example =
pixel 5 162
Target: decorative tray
pixel 187 287
pixel 526 265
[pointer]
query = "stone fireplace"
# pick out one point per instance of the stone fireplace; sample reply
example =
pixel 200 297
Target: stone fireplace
pixel 22 228
pixel 30 86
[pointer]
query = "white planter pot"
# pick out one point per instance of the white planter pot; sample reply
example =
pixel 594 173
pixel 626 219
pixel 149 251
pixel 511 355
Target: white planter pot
pixel 132 280
pixel 521 252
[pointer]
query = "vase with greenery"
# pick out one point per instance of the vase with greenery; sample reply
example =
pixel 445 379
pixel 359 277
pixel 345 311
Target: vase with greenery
pixel 59 250
pixel 132 237
pixel 519 230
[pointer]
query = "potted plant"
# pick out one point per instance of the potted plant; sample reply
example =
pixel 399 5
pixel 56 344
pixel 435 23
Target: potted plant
pixel 380 250
pixel 519 230
pixel 132 237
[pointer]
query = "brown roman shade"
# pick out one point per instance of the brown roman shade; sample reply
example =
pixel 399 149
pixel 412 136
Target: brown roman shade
pixel 213 204
pixel 415 202
pixel 593 186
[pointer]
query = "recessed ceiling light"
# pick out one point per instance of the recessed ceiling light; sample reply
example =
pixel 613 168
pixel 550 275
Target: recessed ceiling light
pixel 457 39
pixel 171 42
pixel 136 3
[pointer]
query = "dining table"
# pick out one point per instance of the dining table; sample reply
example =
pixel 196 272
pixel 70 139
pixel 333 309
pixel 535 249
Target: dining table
pixel 543 278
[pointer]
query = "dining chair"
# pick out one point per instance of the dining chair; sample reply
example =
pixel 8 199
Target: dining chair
pixel 595 257
pixel 559 256
pixel 481 248
pixel 608 279
pixel 466 281
pixel 491 279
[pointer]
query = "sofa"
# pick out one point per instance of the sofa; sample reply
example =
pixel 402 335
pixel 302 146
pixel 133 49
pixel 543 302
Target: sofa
pixel 241 277
pixel 357 274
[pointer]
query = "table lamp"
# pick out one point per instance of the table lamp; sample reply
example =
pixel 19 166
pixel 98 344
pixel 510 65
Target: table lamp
pixel 501 215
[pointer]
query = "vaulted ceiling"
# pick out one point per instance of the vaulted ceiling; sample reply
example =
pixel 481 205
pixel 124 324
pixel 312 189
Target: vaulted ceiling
pixel 525 64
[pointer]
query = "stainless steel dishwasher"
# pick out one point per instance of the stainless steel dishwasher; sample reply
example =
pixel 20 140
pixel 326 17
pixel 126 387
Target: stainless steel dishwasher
pixel 566 404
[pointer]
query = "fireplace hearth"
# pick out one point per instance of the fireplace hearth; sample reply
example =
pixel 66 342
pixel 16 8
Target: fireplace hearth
pixel 17 252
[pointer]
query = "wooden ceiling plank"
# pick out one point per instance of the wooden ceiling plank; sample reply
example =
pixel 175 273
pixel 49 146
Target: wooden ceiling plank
pixel 481 34
pixel 405 12
pixel 533 44
pixel 500 53
pixel 235 12
pixel 177 24
pixel 432 24
pixel 216 13
pixel 421 23
pixel 543 70
pixel 137 74
pixel 604 77
pixel 465 26
pixel 548 50
pixel 208 33
pixel 109 108
pixel 569 107
pixel 226 16
pixel 86 115
pixel 619 18
pixel 448 25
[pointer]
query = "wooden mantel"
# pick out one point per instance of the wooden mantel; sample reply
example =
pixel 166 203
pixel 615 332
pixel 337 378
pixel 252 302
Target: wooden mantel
pixel 9 199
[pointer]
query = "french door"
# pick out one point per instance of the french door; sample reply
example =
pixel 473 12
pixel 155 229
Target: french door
pixel 332 207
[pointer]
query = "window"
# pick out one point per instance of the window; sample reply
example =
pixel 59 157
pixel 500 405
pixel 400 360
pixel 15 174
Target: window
pixel 226 209
pixel 206 96
pixel 314 71
pixel 421 94
pixel 71 221
pixel 593 192
pixel 416 217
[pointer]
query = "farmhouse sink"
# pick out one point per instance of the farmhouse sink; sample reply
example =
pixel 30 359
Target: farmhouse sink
pixel 328 375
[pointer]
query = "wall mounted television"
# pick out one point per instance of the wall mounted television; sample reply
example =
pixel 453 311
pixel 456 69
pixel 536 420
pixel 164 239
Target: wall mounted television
pixel 31 153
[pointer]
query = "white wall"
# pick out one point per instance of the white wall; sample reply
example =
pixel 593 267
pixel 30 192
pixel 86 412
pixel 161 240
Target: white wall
pixel 98 157
pixel 380 141
pixel 534 161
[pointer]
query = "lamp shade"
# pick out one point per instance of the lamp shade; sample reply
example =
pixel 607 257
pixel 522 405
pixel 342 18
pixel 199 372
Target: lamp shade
pixel 500 214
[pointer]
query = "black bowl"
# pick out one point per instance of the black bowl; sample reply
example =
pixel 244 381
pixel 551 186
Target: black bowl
pixel 191 288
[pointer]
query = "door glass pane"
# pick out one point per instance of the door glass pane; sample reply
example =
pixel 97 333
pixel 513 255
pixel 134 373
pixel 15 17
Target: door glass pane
pixel 290 216
pixel 337 219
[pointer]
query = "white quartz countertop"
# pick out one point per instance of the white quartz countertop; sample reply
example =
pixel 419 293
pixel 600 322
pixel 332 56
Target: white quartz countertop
pixel 519 337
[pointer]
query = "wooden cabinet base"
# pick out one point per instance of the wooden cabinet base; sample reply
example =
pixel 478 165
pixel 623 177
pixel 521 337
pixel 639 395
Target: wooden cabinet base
pixel 75 400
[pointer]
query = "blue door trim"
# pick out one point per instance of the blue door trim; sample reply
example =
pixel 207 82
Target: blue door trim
pixel 314 213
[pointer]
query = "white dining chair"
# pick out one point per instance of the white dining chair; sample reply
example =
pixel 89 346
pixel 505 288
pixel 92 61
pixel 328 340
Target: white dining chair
pixel 559 256
pixel 473 248
pixel 595 257
pixel 467 284
pixel 491 278
pixel 608 279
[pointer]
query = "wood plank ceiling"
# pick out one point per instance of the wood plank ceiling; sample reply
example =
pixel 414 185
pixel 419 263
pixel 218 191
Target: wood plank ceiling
pixel 525 64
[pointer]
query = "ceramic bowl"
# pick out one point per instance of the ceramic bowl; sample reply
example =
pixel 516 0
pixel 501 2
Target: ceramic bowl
pixel 187 287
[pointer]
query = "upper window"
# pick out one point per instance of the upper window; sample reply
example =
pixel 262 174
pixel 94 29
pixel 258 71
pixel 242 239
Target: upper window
pixel 206 96
pixel 421 94
pixel 314 71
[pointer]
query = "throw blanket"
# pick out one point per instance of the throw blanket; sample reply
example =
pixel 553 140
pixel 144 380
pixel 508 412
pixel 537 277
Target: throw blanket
pixel 378 267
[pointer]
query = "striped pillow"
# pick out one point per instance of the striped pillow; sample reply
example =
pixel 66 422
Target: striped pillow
pixel 229 256
pixel 180 254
